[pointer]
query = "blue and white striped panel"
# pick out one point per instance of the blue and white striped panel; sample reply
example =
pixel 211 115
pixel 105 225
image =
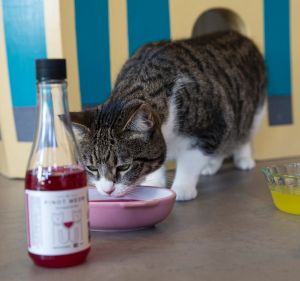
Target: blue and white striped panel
pixel 25 41
pixel 92 30
pixel 147 21
pixel 278 59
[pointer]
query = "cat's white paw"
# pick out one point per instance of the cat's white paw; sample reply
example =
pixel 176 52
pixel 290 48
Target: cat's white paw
pixel 212 166
pixel 244 163
pixel 209 170
pixel 184 193
pixel 242 157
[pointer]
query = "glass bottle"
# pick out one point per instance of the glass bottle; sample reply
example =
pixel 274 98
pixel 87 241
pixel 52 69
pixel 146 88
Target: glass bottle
pixel 56 200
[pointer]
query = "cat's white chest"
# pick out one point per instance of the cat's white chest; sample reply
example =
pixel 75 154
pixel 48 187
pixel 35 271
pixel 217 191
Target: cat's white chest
pixel 176 144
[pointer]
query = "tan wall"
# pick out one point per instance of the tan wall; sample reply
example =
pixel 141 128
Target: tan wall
pixel 118 36
pixel 3 166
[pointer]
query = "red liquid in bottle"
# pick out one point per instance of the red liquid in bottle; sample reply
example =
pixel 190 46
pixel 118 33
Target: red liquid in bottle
pixel 62 178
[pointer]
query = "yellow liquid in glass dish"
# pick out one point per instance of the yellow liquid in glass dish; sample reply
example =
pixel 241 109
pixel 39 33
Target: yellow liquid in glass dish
pixel 285 201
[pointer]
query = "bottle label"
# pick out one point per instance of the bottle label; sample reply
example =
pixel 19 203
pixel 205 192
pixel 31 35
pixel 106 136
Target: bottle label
pixel 57 221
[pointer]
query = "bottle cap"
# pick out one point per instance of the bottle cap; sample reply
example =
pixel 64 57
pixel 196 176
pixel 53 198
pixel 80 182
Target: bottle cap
pixel 50 69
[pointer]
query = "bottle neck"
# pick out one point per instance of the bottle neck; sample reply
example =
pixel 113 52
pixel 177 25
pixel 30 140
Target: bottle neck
pixel 53 94
pixel 54 143
pixel 52 103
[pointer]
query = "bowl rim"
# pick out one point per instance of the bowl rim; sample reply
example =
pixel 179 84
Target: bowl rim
pixel 138 203
pixel 268 170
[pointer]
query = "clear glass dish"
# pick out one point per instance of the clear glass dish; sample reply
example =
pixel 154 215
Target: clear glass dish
pixel 284 184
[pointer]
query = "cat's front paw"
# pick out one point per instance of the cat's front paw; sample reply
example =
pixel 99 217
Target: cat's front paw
pixel 244 163
pixel 183 193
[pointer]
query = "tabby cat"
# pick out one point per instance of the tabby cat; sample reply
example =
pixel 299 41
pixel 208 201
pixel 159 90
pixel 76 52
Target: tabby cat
pixel 196 101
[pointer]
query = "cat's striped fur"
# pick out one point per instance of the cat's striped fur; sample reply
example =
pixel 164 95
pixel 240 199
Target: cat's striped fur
pixel 193 100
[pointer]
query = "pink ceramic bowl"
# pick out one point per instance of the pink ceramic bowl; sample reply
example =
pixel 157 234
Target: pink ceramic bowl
pixel 144 207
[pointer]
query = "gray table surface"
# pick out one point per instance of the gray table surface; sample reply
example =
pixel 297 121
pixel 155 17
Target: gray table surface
pixel 231 231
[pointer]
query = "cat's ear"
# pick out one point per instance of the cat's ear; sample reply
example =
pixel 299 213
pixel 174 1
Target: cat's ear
pixel 141 119
pixel 81 123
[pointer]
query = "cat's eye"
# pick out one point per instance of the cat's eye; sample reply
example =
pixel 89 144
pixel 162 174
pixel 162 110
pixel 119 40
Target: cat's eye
pixel 123 168
pixel 92 169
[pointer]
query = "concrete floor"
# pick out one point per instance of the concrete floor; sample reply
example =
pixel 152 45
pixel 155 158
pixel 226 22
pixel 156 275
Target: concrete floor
pixel 230 232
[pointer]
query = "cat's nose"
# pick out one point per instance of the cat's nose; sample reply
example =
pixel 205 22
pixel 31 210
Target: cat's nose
pixel 108 189
pixel 105 186
pixel 109 192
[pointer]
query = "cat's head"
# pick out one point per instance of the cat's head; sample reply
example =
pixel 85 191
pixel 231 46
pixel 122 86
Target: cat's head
pixel 119 144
